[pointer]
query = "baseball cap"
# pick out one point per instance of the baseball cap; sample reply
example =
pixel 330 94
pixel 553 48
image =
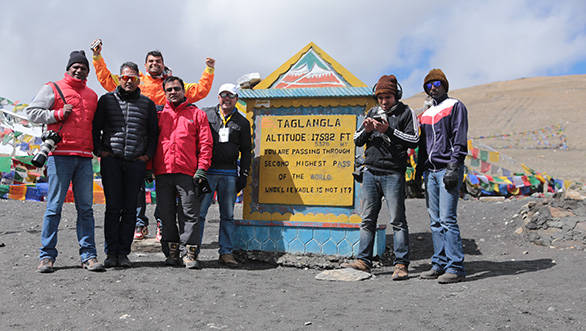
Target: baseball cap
pixel 228 87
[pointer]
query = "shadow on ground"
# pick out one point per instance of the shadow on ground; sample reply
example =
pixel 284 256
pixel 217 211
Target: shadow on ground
pixel 421 246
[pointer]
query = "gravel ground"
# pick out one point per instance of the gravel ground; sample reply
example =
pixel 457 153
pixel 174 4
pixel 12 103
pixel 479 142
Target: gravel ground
pixel 511 284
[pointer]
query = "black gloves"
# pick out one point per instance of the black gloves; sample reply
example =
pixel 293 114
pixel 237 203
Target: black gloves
pixel 200 179
pixel 241 182
pixel 451 177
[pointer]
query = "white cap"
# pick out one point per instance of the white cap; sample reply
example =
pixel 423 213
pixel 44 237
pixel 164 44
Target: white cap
pixel 228 87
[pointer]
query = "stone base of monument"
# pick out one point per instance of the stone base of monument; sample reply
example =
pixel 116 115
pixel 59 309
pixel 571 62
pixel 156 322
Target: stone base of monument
pixel 147 245
pixel 303 237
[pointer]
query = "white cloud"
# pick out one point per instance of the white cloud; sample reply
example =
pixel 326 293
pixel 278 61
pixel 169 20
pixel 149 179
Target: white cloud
pixel 474 42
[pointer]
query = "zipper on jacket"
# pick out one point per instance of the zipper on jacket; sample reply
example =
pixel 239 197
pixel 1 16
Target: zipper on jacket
pixel 126 130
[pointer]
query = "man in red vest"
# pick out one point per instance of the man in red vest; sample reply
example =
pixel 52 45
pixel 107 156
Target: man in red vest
pixel 68 107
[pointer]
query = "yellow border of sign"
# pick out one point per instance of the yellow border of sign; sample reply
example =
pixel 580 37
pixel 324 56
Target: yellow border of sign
pixel 366 102
pixel 347 75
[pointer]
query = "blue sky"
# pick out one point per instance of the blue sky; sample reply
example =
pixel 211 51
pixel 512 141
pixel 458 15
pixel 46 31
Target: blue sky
pixel 474 42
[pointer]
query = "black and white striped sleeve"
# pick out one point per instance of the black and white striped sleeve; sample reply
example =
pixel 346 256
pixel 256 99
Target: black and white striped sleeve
pixel 408 130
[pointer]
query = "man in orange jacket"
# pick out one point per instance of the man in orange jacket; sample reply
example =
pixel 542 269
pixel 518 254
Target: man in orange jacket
pixel 151 85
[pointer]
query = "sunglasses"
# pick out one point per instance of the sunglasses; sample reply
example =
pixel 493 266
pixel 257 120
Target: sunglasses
pixel 125 77
pixel 435 83
pixel 174 88
pixel 227 95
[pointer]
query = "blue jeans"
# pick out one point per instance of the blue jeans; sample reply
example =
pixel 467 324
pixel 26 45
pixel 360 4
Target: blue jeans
pixel 61 171
pixel 392 187
pixel 226 188
pixel 442 206
pixel 141 218
pixel 122 180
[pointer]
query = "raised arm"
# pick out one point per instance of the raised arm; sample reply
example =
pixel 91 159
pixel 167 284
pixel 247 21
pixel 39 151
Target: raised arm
pixel 197 91
pixel 108 81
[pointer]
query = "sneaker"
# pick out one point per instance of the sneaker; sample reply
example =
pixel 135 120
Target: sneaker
pixel 190 257
pixel 93 265
pixel 173 255
pixel 139 233
pixel 124 262
pixel 357 264
pixel 159 234
pixel 430 274
pixel 190 262
pixel 449 278
pixel 401 272
pixel 111 261
pixel 228 260
pixel 46 266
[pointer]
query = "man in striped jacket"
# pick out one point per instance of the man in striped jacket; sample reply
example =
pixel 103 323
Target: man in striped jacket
pixel 387 131
pixel 442 150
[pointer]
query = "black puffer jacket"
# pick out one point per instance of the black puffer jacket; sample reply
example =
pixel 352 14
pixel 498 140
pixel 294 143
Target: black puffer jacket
pixel 125 124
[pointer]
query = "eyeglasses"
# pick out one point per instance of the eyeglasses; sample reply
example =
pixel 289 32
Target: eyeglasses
pixel 174 88
pixel 227 95
pixel 126 77
pixel 435 83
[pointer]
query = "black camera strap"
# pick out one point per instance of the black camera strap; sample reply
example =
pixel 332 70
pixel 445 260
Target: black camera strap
pixel 62 98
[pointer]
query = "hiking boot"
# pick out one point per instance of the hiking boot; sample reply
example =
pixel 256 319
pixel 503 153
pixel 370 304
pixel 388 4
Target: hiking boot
pixel 159 234
pixel 124 262
pixel 139 233
pixel 357 264
pixel 449 278
pixel 430 274
pixel 190 257
pixel 173 256
pixel 228 260
pixel 400 272
pixel 93 265
pixel 46 266
pixel 110 261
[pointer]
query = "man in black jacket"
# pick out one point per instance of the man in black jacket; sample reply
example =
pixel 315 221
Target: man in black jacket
pixel 125 137
pixel 231 134
pixel 388 130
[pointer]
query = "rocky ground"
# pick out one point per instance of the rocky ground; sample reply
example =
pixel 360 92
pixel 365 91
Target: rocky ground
pixel 511 283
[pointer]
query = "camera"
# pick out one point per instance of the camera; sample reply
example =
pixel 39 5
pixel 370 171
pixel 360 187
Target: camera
pixel 380 115
pixel 50 140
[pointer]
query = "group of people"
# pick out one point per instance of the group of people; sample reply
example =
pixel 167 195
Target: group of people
pixel 388 130
pixel 146 124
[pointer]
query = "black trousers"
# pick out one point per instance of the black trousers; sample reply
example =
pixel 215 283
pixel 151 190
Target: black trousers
pixel 121 180
pixel 184 229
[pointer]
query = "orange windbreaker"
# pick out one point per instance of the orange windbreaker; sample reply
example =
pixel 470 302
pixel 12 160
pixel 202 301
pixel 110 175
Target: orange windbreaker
pixel 153 87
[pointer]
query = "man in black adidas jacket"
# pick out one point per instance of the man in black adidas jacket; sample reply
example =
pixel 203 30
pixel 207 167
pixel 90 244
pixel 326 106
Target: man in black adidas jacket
pixel 231 134
pixel 125 137
pixel 388 130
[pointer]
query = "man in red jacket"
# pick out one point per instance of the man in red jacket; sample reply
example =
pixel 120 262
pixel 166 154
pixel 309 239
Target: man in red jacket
pixel 183 156
pixel 68 107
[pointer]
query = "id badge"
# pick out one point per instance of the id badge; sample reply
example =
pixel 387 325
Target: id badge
pixel 224 134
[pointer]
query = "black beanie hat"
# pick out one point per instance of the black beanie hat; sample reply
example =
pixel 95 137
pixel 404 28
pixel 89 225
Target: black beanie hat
pixel 77 57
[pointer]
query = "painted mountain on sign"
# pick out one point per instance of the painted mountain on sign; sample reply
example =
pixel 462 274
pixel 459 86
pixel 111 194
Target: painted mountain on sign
pixel 310 71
